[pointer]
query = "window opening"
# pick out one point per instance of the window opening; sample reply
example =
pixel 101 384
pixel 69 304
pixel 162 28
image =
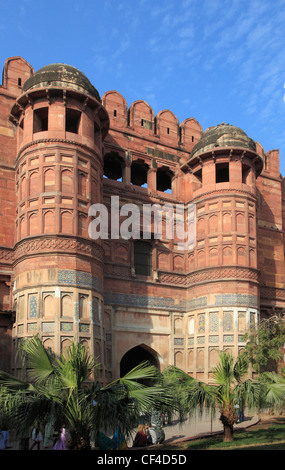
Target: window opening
pixel 19 81
pixel 245 173
pixel 113 166
pixel 164 179
pixel 147 124
pixel 40 122
pixel 143 258
pixel 139 171
pixel 222 173
pixel 197 179
pixel 72 120
pixel 198 175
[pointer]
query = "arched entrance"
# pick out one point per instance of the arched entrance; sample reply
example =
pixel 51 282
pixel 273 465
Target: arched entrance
pixel 135 356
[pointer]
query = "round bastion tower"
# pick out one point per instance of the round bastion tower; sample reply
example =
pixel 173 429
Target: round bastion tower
pixel 58 288
pixel 223 294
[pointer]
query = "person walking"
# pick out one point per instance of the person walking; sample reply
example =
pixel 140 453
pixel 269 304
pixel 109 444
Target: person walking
pixel 37 438
pixel 61 442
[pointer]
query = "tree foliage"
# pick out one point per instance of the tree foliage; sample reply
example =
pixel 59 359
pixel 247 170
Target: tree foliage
pixel 231 386
pixel 65 390
pixel 264 343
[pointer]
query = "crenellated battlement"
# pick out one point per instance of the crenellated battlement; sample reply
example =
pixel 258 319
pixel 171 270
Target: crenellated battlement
pixel 139 118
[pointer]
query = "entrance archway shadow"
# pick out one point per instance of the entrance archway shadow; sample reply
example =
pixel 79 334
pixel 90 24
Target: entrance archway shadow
pixel 136 356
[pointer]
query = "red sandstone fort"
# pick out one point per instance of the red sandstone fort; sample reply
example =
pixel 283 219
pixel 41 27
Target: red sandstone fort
pixel 63 149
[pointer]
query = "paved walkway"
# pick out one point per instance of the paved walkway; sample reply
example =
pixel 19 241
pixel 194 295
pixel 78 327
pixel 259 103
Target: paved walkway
pixel 196 426
pixel 200 425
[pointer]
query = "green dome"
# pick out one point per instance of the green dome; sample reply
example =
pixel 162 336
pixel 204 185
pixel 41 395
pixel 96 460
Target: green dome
pixel 223 135
pixel 62 76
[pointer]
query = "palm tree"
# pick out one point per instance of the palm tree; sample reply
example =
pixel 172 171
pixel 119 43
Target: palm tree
pixel 187 394
pixel 64 389
pixel 231 388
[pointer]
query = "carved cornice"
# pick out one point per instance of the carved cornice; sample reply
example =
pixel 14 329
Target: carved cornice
pixel 272 293
pixel 209 275
pixel 223 191
pixel 57 141
pixel 221 273
pixel 52 245
pixel 6 254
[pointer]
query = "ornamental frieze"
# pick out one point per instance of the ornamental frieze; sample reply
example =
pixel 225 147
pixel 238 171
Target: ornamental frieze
pixel 208 275
pixel 54 244
pixel 6 254
pixel 57 141
pixel 227 190
pixel 272 293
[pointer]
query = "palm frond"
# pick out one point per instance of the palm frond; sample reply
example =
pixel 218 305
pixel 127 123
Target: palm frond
pixel 275 395
pixel 240 368
pixel 272 377
pixel 12 383
pixel 201 395
pixel 75 366
pixel 223 372
pixel 40 366
pixel 274 388
pixel 249 394
pixel 174 375
pixel 142 371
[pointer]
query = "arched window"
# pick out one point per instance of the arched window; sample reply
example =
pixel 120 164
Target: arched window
pixel 164 179
pixel 113 166
pixel 34 183
pixel 139 171
pixel 49 180
pixel 82 225
pixel 49 306
pixel 66 181
pixel 49 222
pixel 143 258
pixel 33 223
pixel 66 343
pixel 82 184
pixel 66 222
pixel 66 306
pixel 83 306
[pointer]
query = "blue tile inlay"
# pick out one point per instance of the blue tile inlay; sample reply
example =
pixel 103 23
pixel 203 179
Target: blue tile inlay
pixel 33 307
pixel 79 278
pixel 143 301
pixel 236 299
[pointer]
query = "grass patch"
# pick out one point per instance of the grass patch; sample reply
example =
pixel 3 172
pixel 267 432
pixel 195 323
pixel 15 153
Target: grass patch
pixel 266 437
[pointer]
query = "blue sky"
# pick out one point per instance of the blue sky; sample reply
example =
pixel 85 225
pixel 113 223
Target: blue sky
pixel 215 60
